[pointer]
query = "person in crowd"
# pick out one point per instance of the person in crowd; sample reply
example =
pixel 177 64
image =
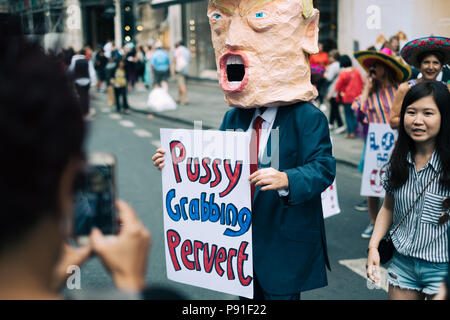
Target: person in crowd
pixel 116 53
pixel 88 52
pixel 288 232
pixel 348 86
pixel 67 56
pixel 160 66
pixel 417 202
pixel 384 73
pixel 110 69
pixel 107 49
pixel 402 39
pixel 380 42
pixel 130 65
pixel 182 59
pixel 331 75
pixel 394 45
pixel 37 202
pixel 83 74
pixel 428 55
pixel 317 76
pixel 321 57
pixel 140 63
pixel 100 64
pixel 148 74
pixel 319 63
pixel 119 81
pixel 386 49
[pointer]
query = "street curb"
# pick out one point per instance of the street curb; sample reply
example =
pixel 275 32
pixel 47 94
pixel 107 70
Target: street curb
pixel 190 123
pixel 171 118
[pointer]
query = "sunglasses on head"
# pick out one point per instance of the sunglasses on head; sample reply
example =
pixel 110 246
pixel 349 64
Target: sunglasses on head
pixel 443 219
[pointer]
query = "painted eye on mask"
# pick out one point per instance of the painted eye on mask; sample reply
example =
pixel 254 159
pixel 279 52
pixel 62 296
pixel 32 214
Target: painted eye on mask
pixel 261 20
pixel 217 16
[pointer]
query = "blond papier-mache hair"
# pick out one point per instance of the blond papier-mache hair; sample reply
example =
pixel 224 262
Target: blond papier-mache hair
pixel 308 6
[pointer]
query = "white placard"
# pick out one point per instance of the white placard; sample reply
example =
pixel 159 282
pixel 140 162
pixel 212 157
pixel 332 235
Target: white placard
pixel 330 203
pixel 379 146
pixel 207 209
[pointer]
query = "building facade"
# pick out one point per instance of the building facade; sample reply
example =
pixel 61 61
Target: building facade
pixel 362 22
pixel 78 23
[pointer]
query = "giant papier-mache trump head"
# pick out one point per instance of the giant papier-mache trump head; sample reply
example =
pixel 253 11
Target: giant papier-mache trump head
pixel 262 49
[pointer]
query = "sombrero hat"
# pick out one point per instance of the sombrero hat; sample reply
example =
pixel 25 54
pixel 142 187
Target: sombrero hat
pixel 413 49
pixel 368 57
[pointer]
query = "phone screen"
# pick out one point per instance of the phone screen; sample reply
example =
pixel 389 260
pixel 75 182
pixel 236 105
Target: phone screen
pixel 95 198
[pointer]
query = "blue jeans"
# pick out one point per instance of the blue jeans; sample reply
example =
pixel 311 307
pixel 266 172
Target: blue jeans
pixel 416 274
pixel 350 118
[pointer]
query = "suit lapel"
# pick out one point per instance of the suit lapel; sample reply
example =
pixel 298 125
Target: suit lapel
pixel 243 119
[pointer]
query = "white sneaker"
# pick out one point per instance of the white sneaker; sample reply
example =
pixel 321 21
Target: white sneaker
pixel 340 130
pixel 323 107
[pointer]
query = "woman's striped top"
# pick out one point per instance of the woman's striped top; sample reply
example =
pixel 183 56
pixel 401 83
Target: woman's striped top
pixel 377 107
pixel 420 235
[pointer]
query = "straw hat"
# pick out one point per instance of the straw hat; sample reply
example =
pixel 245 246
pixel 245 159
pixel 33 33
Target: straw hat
pixel 368 57
pixel 413 49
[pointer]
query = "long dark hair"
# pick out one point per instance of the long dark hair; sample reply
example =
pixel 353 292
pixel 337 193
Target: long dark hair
pixel 41 130
pixel 398 163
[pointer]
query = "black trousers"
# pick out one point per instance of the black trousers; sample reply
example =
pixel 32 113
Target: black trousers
pixel 260 294
pixel 334 113
pixel 118 93
pixel 83 97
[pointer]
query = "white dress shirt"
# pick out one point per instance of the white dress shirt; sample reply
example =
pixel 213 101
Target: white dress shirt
pixel 268 116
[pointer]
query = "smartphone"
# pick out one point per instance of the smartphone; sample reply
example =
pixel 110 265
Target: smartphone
pixel 95 198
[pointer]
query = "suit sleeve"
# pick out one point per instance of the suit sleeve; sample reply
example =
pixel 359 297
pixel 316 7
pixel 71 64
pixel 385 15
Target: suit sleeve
pixel 319 169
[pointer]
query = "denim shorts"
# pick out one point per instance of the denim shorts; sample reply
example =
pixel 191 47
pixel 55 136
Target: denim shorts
pixel 416 274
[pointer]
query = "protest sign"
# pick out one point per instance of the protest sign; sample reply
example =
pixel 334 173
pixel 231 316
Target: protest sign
pixel 330 203
pixel 207 209
pixel 379 146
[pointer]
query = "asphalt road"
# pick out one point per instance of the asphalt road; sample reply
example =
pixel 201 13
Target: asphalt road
pixel 134 139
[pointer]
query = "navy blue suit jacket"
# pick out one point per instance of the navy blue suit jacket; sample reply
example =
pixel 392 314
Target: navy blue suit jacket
pixel 289 244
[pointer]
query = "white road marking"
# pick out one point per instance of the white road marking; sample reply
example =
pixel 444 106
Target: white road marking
pixel 142 133
pixel 359 266
pixel 126 123
pixel 156 143
pixel 115 116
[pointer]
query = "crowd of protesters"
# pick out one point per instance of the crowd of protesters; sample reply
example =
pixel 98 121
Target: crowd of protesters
pixel 406 87
pixel 117 71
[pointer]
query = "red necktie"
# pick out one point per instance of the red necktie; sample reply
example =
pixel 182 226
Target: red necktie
pixel 254 148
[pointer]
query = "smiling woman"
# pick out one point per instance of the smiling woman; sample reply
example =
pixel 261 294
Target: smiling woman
pixel 420 160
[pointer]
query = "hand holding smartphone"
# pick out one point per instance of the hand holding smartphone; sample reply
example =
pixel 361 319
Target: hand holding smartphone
pixel 111 227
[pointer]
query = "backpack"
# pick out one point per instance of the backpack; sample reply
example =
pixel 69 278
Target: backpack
pixel 81 69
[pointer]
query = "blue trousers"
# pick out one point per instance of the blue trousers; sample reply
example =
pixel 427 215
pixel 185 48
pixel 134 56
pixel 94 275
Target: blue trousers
pixel 350 118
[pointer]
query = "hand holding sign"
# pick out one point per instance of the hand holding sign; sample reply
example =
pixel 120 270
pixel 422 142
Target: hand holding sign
pixel 270 179
pixel 158 159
